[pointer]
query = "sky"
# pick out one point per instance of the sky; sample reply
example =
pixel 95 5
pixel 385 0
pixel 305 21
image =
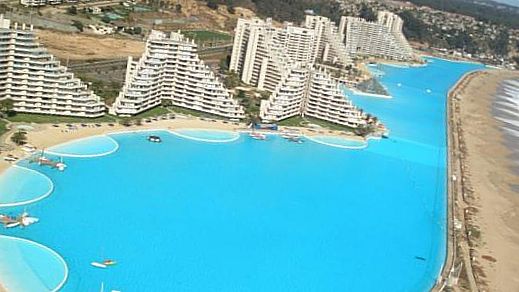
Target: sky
pixel 510 2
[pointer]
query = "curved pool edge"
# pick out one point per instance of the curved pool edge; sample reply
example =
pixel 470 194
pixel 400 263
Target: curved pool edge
pixel 57 153
pixel 36 199
pixel 236 135
pixel 46 249
pixel 316 140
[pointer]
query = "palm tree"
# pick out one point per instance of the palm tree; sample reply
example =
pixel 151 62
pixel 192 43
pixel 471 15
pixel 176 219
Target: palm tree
pixel 19 138
pixel 6 107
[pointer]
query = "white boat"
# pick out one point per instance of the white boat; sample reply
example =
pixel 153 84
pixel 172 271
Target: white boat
pixel 155 139
pixel 290 135
pixel 104 264
pixel 98 265
pixel 12 225
pixel 258 136
pixel 61 166
pixel 26 221
pixel 10 158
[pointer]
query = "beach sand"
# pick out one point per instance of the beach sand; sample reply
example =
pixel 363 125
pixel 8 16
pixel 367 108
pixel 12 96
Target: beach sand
pixel 492 212
pixel 45 135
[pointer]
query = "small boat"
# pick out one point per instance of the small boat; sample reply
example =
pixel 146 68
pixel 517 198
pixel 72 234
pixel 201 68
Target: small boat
pixel 258 136
pixel 295 140
pixel 26 221
pixel 12 225
pixel 109 262
pixel 289 135
pixel 104 264
pixel 155 139
pixel 23 220
pixel 61 166
pixel 98 265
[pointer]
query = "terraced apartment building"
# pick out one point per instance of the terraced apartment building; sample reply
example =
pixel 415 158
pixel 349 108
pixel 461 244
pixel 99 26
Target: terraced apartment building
pixel 35 80
pixel 281 60
pixel 382 38
pixel 170 69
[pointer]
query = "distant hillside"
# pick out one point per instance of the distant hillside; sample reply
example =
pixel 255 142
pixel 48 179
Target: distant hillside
pixel 284 10
pixel 483 10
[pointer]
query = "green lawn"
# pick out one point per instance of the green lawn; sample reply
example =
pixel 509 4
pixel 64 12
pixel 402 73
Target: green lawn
pixel 328 125
pixel 154 112
pixel 206 35
pixel 292 122
pixel 52 119
pixel 298 121
pixel 186 111
pixel 3 127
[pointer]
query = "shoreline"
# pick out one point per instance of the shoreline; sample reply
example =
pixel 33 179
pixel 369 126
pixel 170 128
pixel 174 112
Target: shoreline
pixel 482 242
pixel 45 135
pixel 446 273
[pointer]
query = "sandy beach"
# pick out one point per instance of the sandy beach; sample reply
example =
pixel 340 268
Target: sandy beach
pixel 487 206
pixel 45 135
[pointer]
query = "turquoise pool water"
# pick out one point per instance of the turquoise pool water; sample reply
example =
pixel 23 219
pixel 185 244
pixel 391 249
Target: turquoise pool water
pixel 248 215
pixel 20 185
pixel 89 147
pixel 41 268
pixel 338 142
pixel 206 135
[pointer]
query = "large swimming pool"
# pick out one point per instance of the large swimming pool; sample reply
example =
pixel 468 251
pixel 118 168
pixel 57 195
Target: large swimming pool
pixel 246 215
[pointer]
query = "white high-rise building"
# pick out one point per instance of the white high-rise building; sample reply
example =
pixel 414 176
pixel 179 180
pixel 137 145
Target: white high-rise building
pixel 170 69
pixel 326 101
pixel 329 47
pixel 262 53
pixel 36 81
pixel 281 61
pixel 313 93
pixel 383 38
pixel 33 3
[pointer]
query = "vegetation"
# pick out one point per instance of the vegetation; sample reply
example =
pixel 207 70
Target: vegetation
pixel 482 11
pixel 19 138
pixel 154 112
pixel 3 127
pixel 6 107
pixel 295 121
pixel 298 121
pixel 72 10
pixel 367 13
pixel 52 119
pixel 190 112
pixel 78 24
pixel 373 86
pixel 213 4
pixel 290 10
pixel 206 35
pixel 414 28
pixel 500 44
pixel 231 80
pixel 107 90
pixel 251 105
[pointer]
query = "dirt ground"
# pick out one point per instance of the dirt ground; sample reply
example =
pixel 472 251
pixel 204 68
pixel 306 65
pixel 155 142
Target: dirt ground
pixel 76 46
